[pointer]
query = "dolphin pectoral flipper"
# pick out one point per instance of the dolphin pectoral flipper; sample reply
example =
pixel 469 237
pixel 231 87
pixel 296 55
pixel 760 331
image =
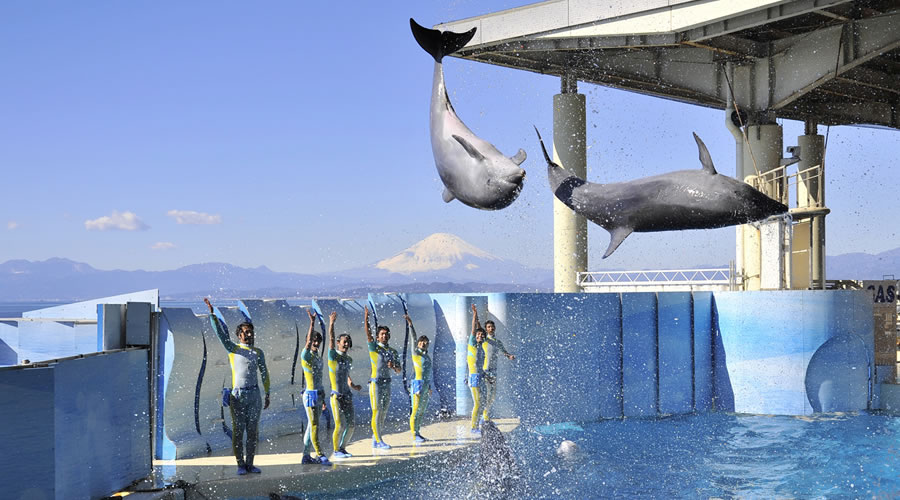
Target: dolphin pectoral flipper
pixel 705 158
pixel 519 157
pixel 439 43
pixel 447 196
pixel 474 153
pixel 616 237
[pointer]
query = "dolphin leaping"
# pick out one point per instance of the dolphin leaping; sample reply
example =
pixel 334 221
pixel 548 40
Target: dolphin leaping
pixel 686 199
pixel 473 170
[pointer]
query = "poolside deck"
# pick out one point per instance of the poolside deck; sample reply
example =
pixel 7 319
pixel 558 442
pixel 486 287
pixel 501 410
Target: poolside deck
pixel 214 476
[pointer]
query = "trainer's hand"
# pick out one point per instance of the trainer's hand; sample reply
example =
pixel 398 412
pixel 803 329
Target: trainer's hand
pixel 312 315
pixel 206 300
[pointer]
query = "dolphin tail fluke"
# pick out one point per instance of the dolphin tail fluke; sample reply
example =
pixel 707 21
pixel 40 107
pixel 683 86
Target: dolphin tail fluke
pixel 439 43
pixel 617 236
pixel 705 158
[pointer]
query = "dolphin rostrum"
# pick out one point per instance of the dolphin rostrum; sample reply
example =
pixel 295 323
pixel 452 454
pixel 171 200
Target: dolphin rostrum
pixel 686 199
pixel 473 170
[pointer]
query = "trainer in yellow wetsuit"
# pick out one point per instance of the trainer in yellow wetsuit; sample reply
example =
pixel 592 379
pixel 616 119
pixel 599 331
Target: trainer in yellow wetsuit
pixel 244 401
pixel 314 395
pixel 339 364
pixel 475 360
pixel 491 346
pixel 383 359
pixel 420 389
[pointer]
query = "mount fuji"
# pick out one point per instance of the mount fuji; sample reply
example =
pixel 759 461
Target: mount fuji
pixel 439 263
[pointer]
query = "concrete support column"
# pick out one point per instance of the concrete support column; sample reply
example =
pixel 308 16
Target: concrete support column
pixel 811 194
pixel 761 153
pixel 570 151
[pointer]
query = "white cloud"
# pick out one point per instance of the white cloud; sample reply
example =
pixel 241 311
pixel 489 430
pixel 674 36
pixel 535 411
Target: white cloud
pixel 12 225
pixel 162 245
pixel 192 217
pixel 125 221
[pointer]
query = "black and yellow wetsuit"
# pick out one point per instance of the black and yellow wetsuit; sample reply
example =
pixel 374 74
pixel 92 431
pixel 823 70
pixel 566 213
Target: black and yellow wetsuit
pixel 475 361
pixel 421 389
pixel 339 365
pixel 245 401
pixel 380 386
pixel 313 398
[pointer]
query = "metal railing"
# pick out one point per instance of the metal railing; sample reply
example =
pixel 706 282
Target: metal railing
pixel 663 279
pixel 778 185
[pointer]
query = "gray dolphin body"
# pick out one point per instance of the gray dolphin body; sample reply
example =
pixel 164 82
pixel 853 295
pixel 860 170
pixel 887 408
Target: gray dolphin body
pixel 497 469
pixel 473 170
pixel 686 199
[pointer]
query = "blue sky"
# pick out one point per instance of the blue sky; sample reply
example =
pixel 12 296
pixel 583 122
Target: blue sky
pixel 152 135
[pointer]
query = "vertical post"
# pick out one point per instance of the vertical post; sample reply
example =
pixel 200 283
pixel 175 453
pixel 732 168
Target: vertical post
pixel 761 154
pixel 811 194
pixel 570 151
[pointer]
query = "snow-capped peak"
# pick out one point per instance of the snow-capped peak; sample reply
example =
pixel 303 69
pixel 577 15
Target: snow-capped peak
pixel 438 251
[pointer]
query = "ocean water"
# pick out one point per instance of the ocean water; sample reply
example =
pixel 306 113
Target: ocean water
pixel 694 456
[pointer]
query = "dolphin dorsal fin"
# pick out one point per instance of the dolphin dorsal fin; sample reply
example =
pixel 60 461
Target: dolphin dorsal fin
pixel 519 157
pixel 616 237
pixel 705 159
pixel 447 196
pixel 474 153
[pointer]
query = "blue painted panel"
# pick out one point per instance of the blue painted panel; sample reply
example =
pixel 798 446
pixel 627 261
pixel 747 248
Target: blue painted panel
pixel 676 392
pixel 767 355
pixel 557 340
pixel 609 370
pixel 27 467
pixel 42 341
pixel 9 344
pixel 703 354
pixel 444 360
pixel 639 354
pixel 87 419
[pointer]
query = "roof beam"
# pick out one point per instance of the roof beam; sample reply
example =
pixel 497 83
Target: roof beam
pixel 805 62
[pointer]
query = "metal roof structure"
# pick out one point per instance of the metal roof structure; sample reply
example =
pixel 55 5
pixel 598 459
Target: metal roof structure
pixel 831 62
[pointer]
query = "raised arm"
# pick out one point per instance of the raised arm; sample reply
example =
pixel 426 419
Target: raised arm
pixel 369 336
pixel 312 322
pixel 411 327
pixel 475 324
pixel 229 345
pixel 331 318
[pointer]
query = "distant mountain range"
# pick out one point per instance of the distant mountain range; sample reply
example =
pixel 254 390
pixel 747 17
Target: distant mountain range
pixel 440 263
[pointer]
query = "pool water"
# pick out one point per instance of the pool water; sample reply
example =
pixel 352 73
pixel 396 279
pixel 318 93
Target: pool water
pixel 693 456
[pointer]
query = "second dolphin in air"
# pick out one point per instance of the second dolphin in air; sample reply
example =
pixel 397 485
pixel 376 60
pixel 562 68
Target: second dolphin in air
pixel 473 170
pixel 686 199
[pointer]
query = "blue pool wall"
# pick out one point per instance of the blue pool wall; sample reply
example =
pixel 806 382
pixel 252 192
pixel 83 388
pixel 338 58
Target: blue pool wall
pixel 580 357
pixel 75 428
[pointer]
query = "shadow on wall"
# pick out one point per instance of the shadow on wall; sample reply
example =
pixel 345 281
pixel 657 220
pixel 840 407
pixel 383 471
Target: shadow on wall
pixel 724 393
